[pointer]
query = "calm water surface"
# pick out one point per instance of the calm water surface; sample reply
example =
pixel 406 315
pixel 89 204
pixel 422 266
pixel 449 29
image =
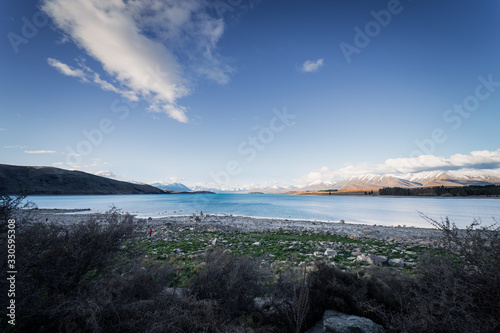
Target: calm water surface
pixel 368 210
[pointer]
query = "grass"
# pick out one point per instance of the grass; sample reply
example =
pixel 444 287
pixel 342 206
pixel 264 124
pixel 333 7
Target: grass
pixel 183 249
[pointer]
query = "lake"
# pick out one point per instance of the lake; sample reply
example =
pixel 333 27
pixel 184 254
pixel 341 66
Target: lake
pixel 352 209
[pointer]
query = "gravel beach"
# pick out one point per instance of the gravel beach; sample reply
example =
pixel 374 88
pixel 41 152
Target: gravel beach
pixel 407 235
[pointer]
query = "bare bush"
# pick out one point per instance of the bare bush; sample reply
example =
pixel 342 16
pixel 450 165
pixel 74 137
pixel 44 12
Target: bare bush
pixel 58 256
pixel 14 207
pixel 231 282
pixel 300 304
pixel 468 283
pixel 332 289
pixel 52 260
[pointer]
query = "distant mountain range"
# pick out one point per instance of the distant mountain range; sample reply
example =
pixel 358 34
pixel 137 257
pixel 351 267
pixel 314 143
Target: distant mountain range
pixel 246 188
pixel 48 180
pixel 375 182
pixel 410 180
pixel 171 186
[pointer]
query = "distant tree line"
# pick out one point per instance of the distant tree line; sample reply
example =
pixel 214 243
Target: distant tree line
pixel 329 191
pixel 442 191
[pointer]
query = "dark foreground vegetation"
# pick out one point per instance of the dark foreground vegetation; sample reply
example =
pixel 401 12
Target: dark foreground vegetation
pixel 442 191
pixel 95 277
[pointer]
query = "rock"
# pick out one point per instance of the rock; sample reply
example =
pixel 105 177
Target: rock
pixel 379 259
pixel 364 259
pixel 215 241
pixel 356 252
pixel 256 244
pixel 342 221
pixel 318 254
pixel 338 322
pixel 330 253
pixel 371 259
pixel 397 262
pixel 174 291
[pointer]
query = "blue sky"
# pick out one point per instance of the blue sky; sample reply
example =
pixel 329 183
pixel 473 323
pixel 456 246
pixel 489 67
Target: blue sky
pixel 234 92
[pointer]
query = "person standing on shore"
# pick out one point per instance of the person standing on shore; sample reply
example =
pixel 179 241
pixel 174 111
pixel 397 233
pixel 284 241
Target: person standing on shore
pixel 150 231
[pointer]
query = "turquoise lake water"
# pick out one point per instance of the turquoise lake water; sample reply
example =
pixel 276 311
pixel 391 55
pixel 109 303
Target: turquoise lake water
pixel 367 210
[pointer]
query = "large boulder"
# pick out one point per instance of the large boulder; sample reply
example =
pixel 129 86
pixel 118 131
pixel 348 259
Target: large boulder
pixel 371 259
pixel 338 322
pixel 397 262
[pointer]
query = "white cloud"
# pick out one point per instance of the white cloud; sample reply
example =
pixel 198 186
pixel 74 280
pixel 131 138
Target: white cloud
pixel 171 180
pixel 15 146
pixel 132 38
pixel 40 152
pixel 484 160
pixel 66 70
pixel 105 173
pixel 312 66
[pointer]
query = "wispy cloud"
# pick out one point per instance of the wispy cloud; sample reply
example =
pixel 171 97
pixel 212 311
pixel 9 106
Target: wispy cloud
pixel 105 173
pixel 171 180
pixel 483 159
pixel 312 65
pixel 15 146
pixel 40 152
pixel 67 70
pixel 88 75
pixel 138 43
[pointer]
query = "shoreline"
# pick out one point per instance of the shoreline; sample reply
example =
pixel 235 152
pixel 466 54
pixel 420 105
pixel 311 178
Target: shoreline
pixel 409 235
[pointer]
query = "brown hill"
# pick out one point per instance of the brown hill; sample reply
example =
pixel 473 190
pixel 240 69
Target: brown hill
pixel 48 180
pixel 425 179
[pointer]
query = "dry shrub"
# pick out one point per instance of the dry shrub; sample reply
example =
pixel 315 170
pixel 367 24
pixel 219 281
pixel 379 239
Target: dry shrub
pixel 465 287
pixel 230 282
pixel 287 304
pixel 332 289
pixel 14 207
pixel 52 260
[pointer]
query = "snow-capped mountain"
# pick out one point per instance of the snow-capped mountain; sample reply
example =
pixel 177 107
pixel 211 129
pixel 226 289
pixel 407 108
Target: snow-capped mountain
pixel 420 179
pixel 362 182
pixel 245 188
pixel 171 186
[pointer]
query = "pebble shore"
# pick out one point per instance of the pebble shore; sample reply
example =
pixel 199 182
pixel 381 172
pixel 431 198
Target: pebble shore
pixel 407 235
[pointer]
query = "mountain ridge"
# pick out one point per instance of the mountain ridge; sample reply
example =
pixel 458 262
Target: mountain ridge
pixel 175 186
pixel 51 180
pixel 43 180
pixel 410 180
